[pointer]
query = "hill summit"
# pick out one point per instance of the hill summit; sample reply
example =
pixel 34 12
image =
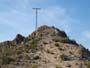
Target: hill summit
pixel 46 47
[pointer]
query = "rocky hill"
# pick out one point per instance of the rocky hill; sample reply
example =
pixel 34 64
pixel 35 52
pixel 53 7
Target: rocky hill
pixel 47 47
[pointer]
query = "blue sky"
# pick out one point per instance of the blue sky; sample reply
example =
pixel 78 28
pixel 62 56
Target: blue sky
pixel 72 16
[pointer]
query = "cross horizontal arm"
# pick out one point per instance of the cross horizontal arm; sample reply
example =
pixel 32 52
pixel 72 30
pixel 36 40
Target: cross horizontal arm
pixel 36 8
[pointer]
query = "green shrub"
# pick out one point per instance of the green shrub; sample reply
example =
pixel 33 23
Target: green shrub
pixel 27 57
pixel 81 50
pixel 57 44
pixel 7 51
pixel 61 49
pixel 33 43
pixel 34 66
pixel 6 59
pixel 27 46
pixel 64 57
pixel 67 40
pixel 36 58
pixel 58 67
pixel 45 42
pixel 56 39
pixel 18 52
pixel 53 34
pixel 50 52
pixel 88 64
pixel 5 56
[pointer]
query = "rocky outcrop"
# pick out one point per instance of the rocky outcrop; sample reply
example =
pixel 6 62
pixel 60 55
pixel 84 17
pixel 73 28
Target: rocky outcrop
pixel 47 47
pixel 19 38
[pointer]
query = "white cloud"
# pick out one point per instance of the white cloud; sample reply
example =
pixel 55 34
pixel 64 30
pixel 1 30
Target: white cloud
pixel 56 16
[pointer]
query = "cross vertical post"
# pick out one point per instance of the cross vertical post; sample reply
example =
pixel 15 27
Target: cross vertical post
pixel 36 12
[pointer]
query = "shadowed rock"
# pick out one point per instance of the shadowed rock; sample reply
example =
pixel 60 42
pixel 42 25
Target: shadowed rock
pixel 19 38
